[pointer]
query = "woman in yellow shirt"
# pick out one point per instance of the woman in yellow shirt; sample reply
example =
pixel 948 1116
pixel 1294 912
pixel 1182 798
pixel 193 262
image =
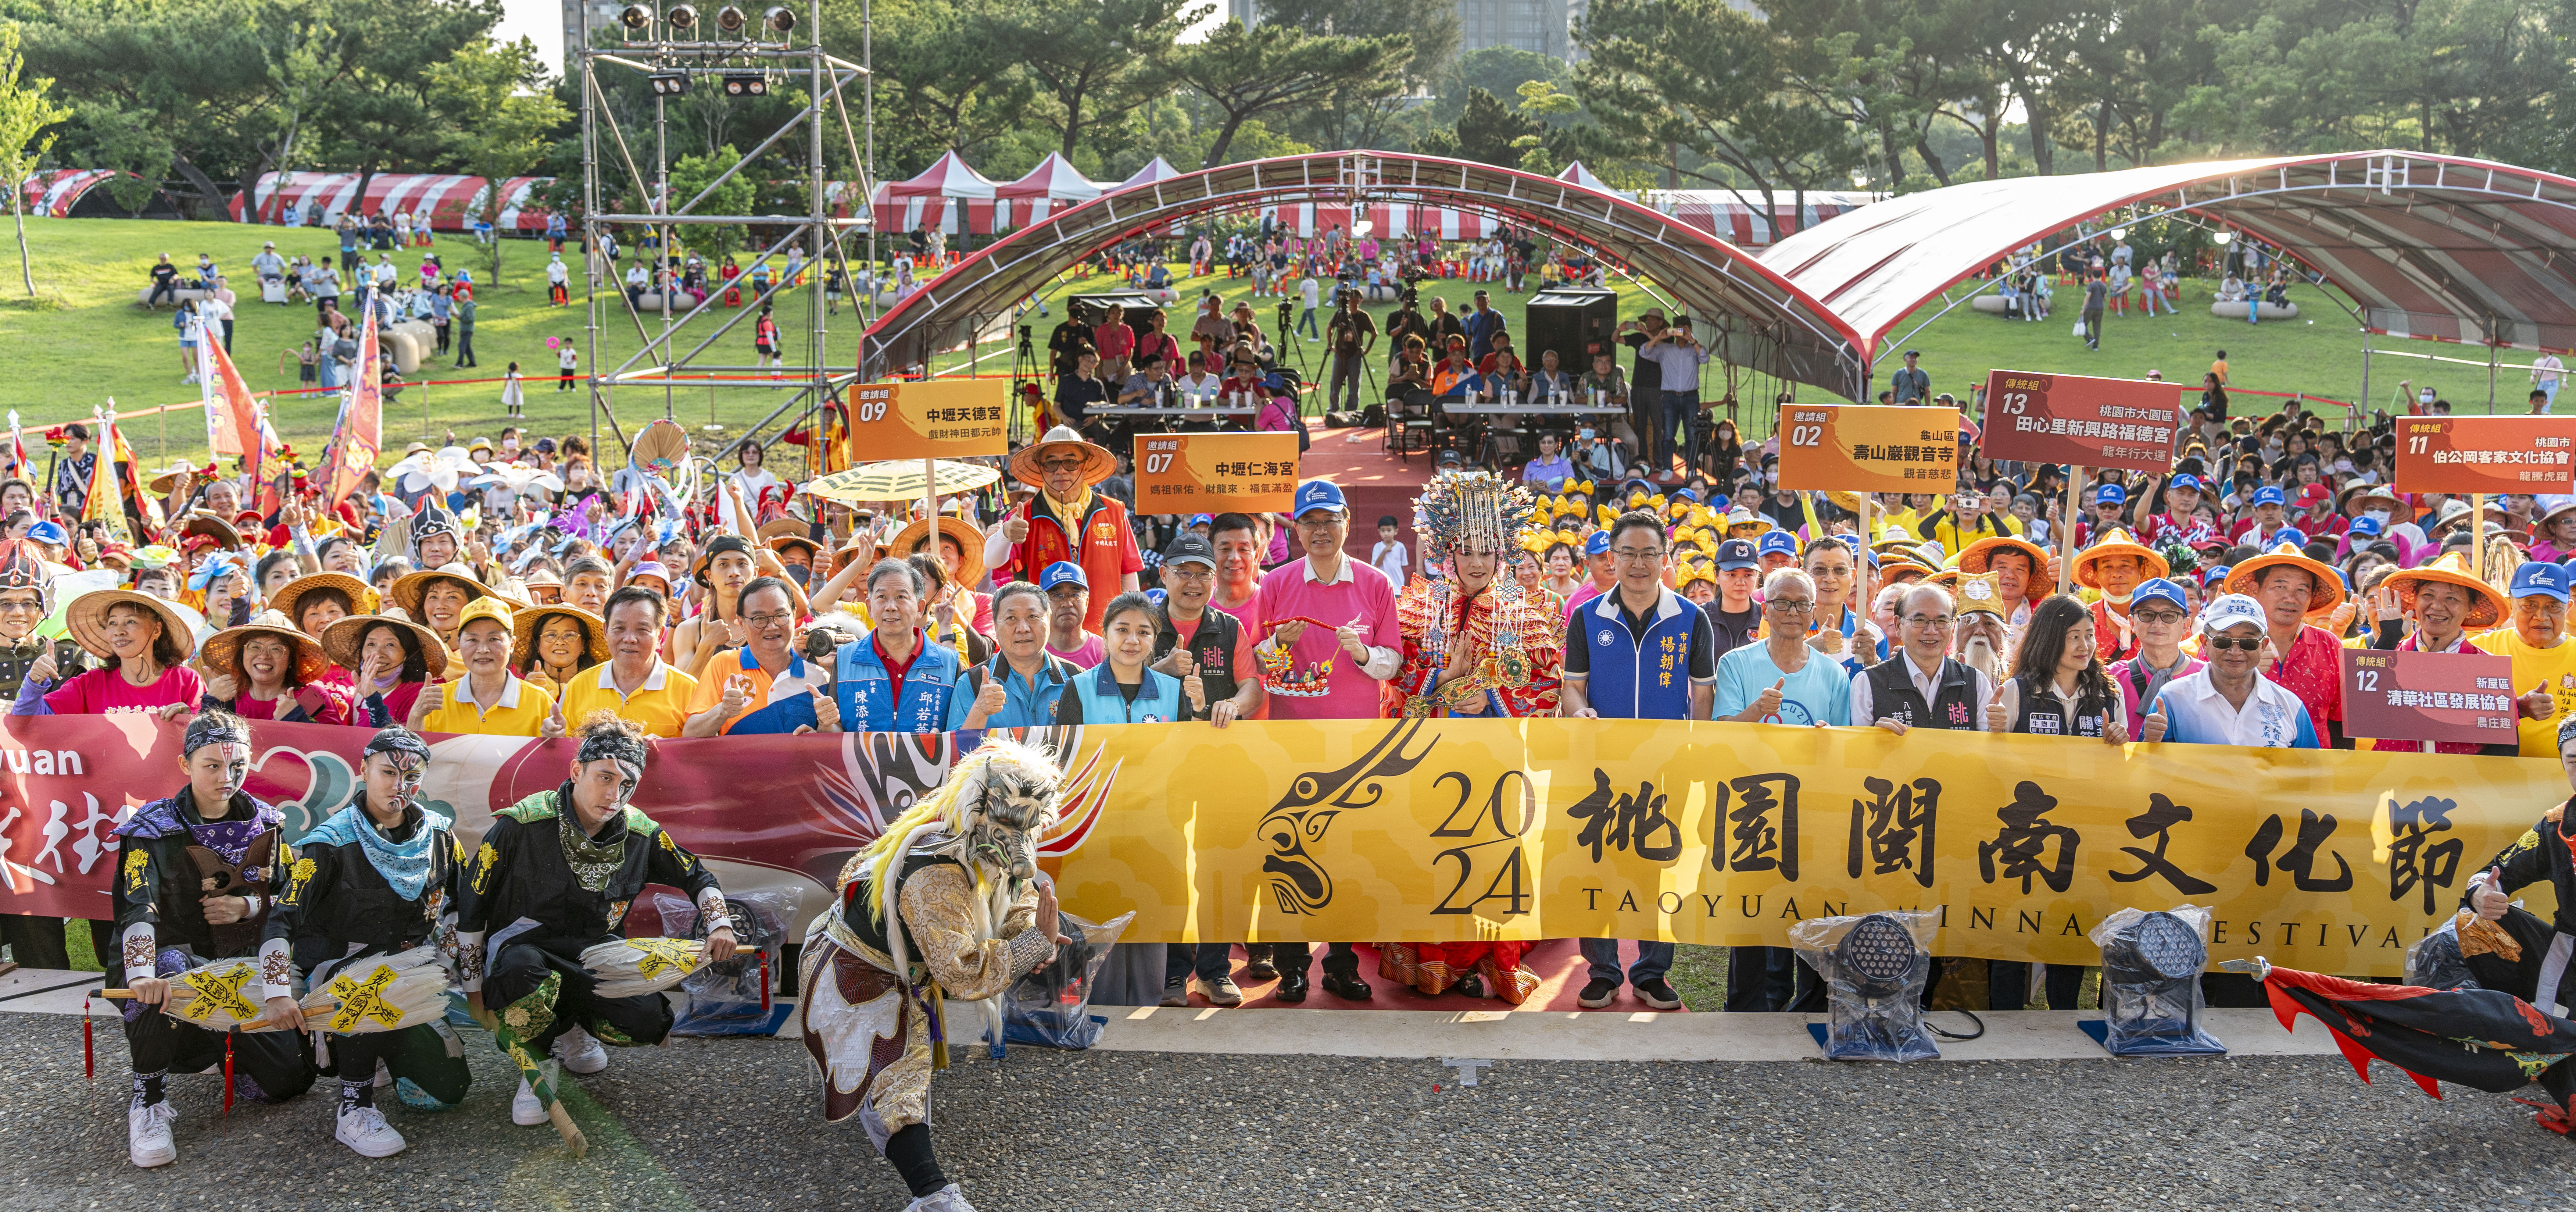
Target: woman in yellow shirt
pixel 488 700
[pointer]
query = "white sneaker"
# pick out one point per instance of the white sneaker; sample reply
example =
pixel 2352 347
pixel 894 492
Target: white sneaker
pixel 945 1199
pixel 365 1131
pixel 525 1109
pixel 147 1135
pixel 580 1051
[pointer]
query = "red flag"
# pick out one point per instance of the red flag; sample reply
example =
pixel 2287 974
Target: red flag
pixel 359 435
pixel 232 412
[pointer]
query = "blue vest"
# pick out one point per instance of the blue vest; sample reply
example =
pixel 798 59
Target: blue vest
pixel 1632 680
pixel 1158 701
pixel 866 691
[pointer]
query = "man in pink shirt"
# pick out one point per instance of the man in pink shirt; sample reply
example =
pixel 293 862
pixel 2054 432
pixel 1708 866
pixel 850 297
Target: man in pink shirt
pixel 1335 631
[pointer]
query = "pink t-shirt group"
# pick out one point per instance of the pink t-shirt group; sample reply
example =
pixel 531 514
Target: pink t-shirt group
pixel 1361 594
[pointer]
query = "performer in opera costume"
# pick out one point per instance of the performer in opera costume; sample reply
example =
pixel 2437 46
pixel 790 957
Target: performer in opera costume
pixel 1475 644
pixel 554 876
pixel 947 902
pixel 369 884
pixel 2495 1014
pixel 193 884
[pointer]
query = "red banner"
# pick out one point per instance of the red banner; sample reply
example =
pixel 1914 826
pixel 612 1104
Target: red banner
pixel 2461 697
pixel 359 437
pixel 2492 455
pixel 2081 420
pixel 231 419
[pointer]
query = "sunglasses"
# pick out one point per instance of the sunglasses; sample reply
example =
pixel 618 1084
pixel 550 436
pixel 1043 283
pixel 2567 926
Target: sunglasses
pixel 2220 643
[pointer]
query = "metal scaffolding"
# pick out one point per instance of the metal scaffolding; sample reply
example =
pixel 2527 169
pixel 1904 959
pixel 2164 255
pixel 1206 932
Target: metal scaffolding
pixel 678 48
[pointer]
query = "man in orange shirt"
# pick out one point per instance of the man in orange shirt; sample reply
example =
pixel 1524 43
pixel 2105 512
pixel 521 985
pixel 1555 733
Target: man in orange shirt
pixel 1067 520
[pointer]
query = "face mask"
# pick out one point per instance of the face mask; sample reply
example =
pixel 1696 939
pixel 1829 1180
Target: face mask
pixel 2425 397
pixel 2378 515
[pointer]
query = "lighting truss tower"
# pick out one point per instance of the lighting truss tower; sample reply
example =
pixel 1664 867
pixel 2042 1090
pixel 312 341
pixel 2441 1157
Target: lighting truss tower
pixel 733 52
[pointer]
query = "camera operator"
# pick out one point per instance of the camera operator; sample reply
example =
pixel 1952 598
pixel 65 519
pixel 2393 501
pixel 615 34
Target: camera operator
pixel 1407 322
pixel 1351 335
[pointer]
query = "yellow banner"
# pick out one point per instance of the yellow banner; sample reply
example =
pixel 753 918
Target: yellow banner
pixel 1723 833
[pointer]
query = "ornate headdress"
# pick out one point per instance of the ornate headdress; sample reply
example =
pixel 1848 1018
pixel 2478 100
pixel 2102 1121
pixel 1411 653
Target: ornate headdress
pixel 987 814
pixel 20 568
pixel 1467 509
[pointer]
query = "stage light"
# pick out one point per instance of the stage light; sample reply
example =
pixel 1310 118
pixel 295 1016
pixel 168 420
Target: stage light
pixel 636 18
pixel 746 84
pixel 731 20
pixel 2224 237
pixel 2119 233
pixel 682 18
pixel 669 84
pixel 780 20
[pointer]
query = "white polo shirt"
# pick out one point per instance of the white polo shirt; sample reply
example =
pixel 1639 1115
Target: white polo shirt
pixel 2196 714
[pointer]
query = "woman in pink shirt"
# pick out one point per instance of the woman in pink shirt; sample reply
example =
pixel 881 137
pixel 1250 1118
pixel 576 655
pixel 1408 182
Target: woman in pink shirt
pixel 1115 342
pixel 142 642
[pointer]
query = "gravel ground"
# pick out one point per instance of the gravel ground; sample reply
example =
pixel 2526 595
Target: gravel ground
pixel 1136 1131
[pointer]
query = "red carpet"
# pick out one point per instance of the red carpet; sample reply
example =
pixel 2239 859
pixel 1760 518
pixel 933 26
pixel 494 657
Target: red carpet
pixel 1375 483
pixel 1558 963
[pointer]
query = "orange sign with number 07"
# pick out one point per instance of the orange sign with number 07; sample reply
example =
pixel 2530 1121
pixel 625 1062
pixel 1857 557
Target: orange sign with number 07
pixel 1215 472
pixel 1868 448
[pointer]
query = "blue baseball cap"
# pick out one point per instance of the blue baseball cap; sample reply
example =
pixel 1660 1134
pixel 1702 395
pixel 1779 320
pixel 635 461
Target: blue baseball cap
pixel 2212 576
pixel 1737 553
pixel 2184 479
pixel 1197 518
pixel 2270 494
pixel 1718 500
pixel 1318 494
pixel 1682 494
pixel 1063 572
pixel 2158 589
pixel 2110 494
pixel 2365 527
pixel 1155 595
pixel 49 531
pixel 1780 541
pixel 1597 544
pixel 2290 536
pixel 2541 580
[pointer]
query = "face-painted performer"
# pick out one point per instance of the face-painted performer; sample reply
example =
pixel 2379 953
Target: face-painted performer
pixel 367 885
pixel 194 880
pixel 948 902
pixel 555 875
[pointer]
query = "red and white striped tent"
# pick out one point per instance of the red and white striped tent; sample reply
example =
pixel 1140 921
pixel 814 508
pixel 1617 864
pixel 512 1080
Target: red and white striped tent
pixel 1576 174
pixel 1741 220
pixel 1156 169
pixel 1052 183
pixel 67 193
pixel 937 197
pixel 450 200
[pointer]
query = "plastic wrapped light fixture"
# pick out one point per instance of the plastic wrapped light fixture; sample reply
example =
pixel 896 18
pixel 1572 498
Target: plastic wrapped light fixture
pixel 2151 965
pixel 1875 967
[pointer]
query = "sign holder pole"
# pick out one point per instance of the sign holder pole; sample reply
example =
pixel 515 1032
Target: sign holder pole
pixel 2478 535
pixel 930 498
pixel 2066 540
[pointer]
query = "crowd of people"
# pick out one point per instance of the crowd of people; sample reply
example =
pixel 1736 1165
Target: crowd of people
pixel 513 588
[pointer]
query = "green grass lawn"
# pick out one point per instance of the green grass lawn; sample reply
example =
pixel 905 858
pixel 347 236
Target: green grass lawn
pixel 86 341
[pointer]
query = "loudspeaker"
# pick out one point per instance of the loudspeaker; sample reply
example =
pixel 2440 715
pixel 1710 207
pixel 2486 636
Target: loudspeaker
pixel 1573 321
pixel 1135 305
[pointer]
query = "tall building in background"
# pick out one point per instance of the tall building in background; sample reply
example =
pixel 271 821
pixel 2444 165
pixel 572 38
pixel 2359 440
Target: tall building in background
pixel 1538 26
pixel 1243 11
pixel 603 15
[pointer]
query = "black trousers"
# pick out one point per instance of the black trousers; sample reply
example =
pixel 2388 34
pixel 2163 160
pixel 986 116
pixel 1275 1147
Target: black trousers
pixel 1764 979
pixel 35 942
pixel 626 1021
pixel 1293 959
pixel 2008 985
pixel 419 1053
pixel 277 1060
pixel 465 348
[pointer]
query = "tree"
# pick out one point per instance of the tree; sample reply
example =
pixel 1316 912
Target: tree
pixel 379 112
pixel 23 112
pixel 693 174
pixel 1488 129
pixel 1373 117
pixel 1095 58
pixel 1277 69
pixel 945 77
pixel 1700 76
pixel 494 98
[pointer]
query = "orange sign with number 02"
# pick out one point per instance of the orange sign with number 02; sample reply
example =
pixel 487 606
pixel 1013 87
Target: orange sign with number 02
pixel 1868 448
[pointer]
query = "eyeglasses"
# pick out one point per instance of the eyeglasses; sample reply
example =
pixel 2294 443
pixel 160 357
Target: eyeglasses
pixel 1929 620
pixel 1061 465
pixel 2220 643
pixel 2161 618
pixel 779 619
pixel 1789 606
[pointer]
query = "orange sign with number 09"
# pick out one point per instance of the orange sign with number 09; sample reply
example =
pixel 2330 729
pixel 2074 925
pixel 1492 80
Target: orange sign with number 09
pixel 930 419
pixel 1868 448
